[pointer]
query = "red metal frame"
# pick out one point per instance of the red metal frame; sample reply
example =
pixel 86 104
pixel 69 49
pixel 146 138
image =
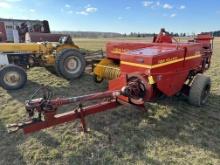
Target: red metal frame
pixel 52 119
pixel 48 108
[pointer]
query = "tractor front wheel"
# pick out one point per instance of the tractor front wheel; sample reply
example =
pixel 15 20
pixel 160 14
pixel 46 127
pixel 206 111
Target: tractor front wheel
pixel 70 64
pixel 200 90
pixel 12 77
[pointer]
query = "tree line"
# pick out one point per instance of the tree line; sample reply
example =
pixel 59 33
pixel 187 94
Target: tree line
pixel 82 34
pixel 216 33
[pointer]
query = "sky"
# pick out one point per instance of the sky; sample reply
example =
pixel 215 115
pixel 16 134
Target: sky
pixel 124 16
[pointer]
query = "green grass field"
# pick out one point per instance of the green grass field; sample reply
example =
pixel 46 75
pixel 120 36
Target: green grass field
pixel 171 132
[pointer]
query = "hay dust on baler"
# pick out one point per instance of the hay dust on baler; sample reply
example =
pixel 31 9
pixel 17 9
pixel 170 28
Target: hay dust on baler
pixel 137 73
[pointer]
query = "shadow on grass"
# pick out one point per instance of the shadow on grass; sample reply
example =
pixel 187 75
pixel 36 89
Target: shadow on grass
pixel 83 85
pixel 9 154
pixel 127 136
pixel 197 126
pixel 46 139
pixel 129 133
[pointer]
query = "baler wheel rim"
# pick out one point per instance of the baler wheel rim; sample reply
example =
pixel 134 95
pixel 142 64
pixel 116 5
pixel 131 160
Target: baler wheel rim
pixel 205 94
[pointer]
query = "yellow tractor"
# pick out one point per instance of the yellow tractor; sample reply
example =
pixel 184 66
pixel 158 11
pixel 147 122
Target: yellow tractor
pixel 63 58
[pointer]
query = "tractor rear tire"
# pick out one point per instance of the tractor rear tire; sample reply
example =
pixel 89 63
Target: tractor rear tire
pixel 12 77
pixel 200 90
pixel 70 64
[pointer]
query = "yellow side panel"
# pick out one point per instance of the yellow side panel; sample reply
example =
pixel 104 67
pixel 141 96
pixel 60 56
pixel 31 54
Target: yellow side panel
pixel 20 47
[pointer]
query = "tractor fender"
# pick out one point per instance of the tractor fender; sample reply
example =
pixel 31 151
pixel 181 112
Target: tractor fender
pixel 61 48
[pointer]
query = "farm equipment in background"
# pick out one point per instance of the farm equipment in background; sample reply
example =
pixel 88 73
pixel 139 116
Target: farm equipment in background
pixel 139 73
pixel 14 30
pixel 63 59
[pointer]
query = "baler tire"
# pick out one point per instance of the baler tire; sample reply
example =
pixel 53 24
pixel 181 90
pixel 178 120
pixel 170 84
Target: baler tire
pixel 61 66
pixel 199 90
pixel 13 69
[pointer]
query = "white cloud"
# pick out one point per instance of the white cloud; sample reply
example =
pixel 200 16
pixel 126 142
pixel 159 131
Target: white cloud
pixel 167 6
pixel 82 13
pixel 32 10
pixel 91 9
pixel 67 6
pixel 182 7
pixel 148 3
pixel 151 4
pixel 127 8
pixel 173 15
pixel 5 5
pixel 88 10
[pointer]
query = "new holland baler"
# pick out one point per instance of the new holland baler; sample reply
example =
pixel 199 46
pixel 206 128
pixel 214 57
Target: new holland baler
pixel 137 73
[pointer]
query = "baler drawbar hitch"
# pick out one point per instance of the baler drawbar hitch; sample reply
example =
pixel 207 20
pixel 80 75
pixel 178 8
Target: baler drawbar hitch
pixel 43 111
